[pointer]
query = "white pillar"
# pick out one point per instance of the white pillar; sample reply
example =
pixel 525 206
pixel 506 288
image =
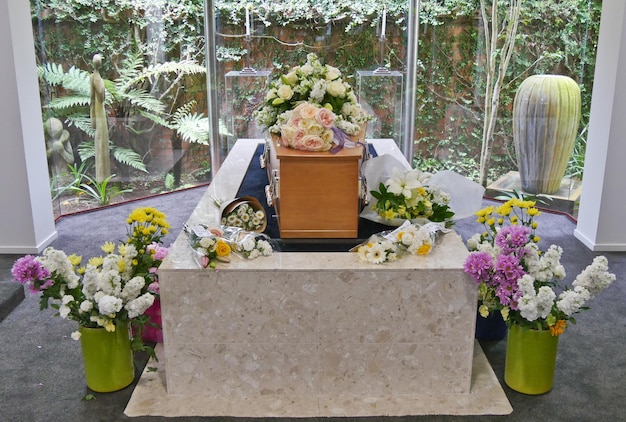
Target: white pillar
pixel 603 202
pixel 26 215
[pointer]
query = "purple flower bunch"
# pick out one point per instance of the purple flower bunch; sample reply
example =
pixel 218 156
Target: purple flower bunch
pixel 28 271
pixel 502 273
pixel 515 278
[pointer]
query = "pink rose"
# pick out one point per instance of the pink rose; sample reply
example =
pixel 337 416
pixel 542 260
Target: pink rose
pixel 312 143
pixel 325 117
pixel 307 110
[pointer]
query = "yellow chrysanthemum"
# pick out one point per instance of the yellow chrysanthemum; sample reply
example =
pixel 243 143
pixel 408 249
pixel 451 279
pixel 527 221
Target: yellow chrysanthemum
pixel 121 265
pixel 536 239
pixel 504 210
pixel 390 214
pixel 81 270
pixel 533 211
pixel 96 261
pixel 108 247
pixel 75 259
pixel 491 221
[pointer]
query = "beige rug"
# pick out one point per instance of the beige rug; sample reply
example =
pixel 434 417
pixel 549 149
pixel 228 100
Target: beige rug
pixel 486 398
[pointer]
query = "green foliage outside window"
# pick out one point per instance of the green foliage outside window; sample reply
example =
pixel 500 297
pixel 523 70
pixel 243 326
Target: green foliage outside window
pixel 553 37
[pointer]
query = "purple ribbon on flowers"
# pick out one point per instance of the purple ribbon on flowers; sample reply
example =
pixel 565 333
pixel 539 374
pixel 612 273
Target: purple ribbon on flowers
pixel 341 139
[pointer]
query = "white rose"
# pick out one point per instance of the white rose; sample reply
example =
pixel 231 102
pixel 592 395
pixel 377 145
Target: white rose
pixel 332 73
pixel 271 94
pixel 285 92
pixel 336 88
pixel 291 77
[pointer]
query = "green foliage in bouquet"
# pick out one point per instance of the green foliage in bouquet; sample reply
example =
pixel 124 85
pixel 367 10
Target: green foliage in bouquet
pixel 406 195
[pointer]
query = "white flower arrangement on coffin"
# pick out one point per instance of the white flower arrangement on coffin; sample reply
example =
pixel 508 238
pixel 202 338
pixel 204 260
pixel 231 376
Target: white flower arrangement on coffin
pixel 397 193
pixel 318 85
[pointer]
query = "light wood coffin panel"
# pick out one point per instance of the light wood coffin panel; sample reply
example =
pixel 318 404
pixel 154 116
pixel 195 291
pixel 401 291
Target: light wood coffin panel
pixel 315 194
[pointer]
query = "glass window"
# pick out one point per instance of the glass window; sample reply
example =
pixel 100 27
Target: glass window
pixel 161 115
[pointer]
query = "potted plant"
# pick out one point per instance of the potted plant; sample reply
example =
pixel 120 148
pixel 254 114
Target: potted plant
pixel 105 297
pixel 524 285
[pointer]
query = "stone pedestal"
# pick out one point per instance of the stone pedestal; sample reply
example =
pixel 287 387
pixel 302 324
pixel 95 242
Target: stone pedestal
pixel 315 325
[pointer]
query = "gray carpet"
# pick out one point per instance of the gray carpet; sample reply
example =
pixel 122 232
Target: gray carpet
pixel 41 376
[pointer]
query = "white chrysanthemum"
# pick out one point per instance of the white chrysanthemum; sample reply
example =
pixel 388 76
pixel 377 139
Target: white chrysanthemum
pixel 139 305
pixel 132 288
pixel 108 305
pixel 254 253
pixel 67 299
pixel 75 335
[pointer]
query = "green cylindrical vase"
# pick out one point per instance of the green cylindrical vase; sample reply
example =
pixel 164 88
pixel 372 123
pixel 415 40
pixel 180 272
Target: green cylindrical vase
pixel 530 360
pixel 108 358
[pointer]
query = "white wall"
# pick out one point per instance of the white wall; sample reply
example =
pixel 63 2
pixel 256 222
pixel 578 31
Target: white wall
pixel 603 201
pixel 26 215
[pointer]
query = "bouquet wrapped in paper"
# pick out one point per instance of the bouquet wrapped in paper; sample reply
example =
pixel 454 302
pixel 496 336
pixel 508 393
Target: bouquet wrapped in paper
pixel 397 193
pixel 407 239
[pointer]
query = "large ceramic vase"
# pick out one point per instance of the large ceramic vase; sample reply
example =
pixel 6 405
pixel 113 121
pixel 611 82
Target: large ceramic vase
pixel 546 115
pixel 108 358
pixel 530 360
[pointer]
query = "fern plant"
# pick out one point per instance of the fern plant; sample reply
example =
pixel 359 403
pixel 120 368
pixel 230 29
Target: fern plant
pixel 142 98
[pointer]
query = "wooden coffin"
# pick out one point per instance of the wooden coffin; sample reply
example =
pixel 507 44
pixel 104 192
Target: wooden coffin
pixel 315 194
